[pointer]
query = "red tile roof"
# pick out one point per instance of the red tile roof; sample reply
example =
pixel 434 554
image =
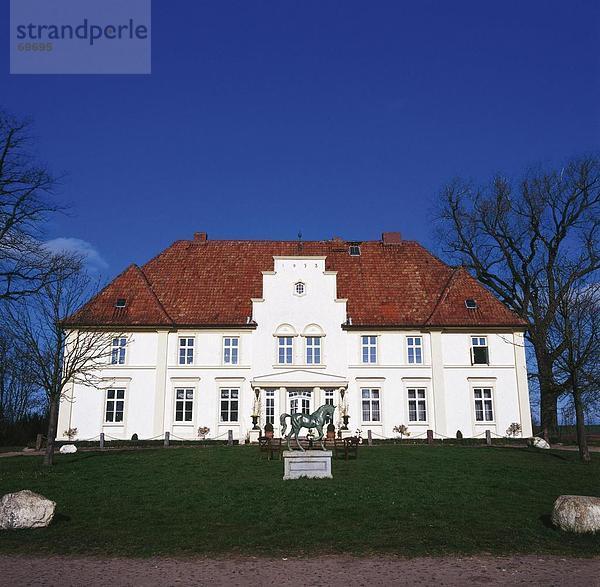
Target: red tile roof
pixel 211 283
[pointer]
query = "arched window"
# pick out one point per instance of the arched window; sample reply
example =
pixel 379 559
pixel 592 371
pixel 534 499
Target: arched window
pixel 285 334
pixel 313 344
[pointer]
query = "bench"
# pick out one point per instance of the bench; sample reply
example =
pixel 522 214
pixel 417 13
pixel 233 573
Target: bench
pixel 270 446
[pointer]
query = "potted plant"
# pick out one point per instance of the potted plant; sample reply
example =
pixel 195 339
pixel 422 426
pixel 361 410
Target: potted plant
pixel 269 430
pixel 71 433
pixel 402 430
pixel 514 430
pixel 203 432
pixel 256 410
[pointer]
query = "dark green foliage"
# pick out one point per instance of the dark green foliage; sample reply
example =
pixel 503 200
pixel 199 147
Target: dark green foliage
pixel 409 500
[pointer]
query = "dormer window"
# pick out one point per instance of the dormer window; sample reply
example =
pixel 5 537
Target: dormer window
pixel 354 250
pixel 299 288
pixel 471 304
pixel 120 303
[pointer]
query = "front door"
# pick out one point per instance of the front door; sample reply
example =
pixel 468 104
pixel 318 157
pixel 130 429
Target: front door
pixel 300 401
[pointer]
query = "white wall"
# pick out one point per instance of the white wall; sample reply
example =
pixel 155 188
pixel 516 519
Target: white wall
pixel 152 373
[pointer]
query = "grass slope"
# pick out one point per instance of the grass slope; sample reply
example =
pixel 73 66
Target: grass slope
pixel 406 500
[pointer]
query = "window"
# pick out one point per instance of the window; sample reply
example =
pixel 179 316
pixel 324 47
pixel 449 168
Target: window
pixel 231 345
pixel 300 402
pixel 229 405
pixel 417 405
pixel 115 405
pixel 484 409
pixel 300 288
pixel 313 350
pixel 186 351
pixel 479 350
pixel 414 347
pixel 329 397
pixel 270 406
pixel 370 405
pixel 369 349
pixel 471 304
pixel 354 250
pixel 184 404
pixel 285 350
pixel 120 303
pixel 118 351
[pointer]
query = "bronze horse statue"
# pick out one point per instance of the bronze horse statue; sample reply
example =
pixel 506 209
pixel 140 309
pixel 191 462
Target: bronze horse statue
pixel 298 421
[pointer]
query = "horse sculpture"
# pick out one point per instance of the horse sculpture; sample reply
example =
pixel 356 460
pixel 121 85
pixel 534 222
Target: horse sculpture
pixel 298 421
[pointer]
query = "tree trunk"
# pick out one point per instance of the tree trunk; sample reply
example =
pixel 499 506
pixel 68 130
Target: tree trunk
pixel 584 452
pixel 548 398
pixel 52 427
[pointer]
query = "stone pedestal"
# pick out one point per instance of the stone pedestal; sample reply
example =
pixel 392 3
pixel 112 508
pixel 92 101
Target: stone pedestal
pixel 315 464
pixel 254 434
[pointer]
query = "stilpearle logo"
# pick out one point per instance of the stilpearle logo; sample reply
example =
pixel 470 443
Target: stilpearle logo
pixel 80 36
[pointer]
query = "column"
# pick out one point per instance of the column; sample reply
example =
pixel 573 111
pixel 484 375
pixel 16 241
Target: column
pixel 282 405
pixel 437 382
pixel 318 399
pixel 522 387
pixel 161 381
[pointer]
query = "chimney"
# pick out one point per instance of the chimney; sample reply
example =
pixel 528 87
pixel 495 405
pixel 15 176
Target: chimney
pixel 200 236
pixel 391 238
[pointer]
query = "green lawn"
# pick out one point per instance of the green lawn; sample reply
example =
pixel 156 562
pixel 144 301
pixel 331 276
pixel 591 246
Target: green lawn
pixel 409 500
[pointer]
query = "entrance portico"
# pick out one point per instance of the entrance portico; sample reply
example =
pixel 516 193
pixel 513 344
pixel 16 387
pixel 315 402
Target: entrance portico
pixel 298 390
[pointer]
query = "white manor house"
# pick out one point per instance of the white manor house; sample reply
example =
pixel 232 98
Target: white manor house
pixel 214 332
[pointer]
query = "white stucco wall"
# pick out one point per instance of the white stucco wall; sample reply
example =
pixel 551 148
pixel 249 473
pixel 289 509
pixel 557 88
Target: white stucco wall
pixel 151 372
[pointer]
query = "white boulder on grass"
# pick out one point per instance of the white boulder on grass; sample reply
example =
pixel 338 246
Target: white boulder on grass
pixel 66 449
pixel 25 509
pixel 577 513
pixel 538 442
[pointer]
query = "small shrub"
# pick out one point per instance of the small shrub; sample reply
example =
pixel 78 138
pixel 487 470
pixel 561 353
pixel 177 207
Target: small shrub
pixel 134 437
pixel 402 430
pixel 71 433
pixel 513 430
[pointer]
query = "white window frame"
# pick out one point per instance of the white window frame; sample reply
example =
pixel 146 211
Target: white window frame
pixel 419 399
pixel 234 350
pixel 311 349
pixel 417 349
pixel 184 401
pixel 270 406
pixel 299 285
pixel 118 353
pixel 229 399
pixel 369 345
pixel 329 397
pixel 286 346
pixel 371 401
pixel 112 395
pixel 476 342
pixel 302 399
pixel 484 400
pixel 188 357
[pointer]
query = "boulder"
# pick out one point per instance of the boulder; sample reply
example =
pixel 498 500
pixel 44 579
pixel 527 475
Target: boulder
pixel 66 449
pixel 538 442
pixel 25 509
pixel 577 513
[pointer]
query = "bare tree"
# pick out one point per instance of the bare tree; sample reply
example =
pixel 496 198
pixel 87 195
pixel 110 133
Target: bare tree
pixel 27 192
pixel 55 354
pixel 577 332
pixel 19 396
pixel 530 242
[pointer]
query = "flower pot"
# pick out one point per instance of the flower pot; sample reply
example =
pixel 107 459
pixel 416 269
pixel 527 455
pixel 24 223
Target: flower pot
pixel 255 423
pixel 345 419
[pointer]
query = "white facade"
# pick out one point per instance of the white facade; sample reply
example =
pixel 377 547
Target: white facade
pixel 380 385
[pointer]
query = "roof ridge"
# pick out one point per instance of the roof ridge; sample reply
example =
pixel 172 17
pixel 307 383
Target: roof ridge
pixel 151 289
pixel 444 294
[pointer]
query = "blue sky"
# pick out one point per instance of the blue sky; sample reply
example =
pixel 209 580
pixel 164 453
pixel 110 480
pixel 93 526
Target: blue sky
pixel 336 118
